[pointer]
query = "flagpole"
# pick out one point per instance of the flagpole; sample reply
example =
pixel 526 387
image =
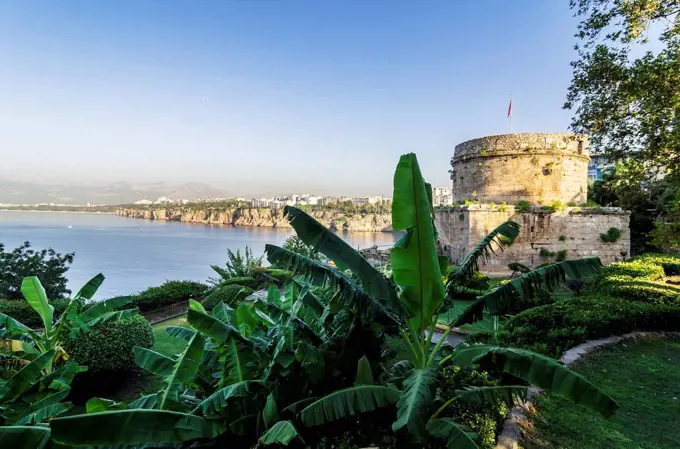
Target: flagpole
pixel 510 113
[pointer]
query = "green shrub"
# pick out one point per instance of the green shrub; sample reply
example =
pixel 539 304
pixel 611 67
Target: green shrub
pixel 669 262
pixel 612 235
pixel 561 255
pixel 245 281
pixel 267 276
pixel 20 310
pixel 108 346
pixel 231 295
pixel 562 238
pixel 637 289
pixel 544 252
pixel 170 292
pixel 638 268
pixel 478 281
pixel 504 207
pixel 522 206
pixel 485 420
pixel 555 206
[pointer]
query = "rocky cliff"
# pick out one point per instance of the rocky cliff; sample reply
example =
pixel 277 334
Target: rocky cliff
pixel 334 220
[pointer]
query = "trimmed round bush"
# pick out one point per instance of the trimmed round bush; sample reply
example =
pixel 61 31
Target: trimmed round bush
pixel 108 346
pixel 231 295
pixel 635 268
pixel 170 292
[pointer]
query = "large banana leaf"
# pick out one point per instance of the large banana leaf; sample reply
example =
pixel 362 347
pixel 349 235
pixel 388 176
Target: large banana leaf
pixel 507 231
pixel 96 405
pixel 184 370
pixel 106 317
pixel 270 414
pixel 283 432
pixel 550 375
pixel 147 402
pixel 415 401
pixel 131 427
pixel 153 362
pixel 104 307
pixel 45 413
pixel 88 290
pixel 236 357
pixel 9 323
pixel 218 401
pixel 548 278
pixel 27 376
pixel 212 327
pixel 348 402
pixel 345 257
pixel 454 434
pixel 489 395
pixel 180 332
pixel 24 437
pixel 415 264
pixel 318 274
pixel 34 293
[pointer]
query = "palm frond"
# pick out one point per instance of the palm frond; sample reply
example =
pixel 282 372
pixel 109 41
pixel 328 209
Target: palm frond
pixel 318 274
pixel 313 233
pixel 550 375
pixel 348 402
pixel 547 278
pixel 455 435
pixel 500 237
pixel 510 394
pixel 415 401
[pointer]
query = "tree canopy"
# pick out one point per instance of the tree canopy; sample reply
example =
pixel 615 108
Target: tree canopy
pixel 625 90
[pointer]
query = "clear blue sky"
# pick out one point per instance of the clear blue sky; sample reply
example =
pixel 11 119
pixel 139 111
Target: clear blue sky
pixel 264 96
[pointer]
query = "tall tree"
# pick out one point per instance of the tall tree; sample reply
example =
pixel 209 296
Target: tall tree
pixel 625 90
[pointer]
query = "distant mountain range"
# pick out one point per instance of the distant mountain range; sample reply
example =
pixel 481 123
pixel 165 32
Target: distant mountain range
pixel 20 192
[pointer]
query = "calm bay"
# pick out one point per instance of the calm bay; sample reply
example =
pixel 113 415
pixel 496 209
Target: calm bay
pixel 135 254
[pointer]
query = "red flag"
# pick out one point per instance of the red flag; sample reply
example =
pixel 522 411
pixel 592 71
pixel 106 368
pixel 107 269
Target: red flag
pixel 510 108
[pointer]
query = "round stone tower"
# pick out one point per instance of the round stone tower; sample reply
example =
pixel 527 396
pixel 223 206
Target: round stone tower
pixel 537 167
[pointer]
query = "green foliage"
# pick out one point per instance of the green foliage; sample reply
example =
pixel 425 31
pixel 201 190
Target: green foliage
pixel 624 88
pixel 108 346
pixel 485 420
pixel 504 207
pixel 246 281
pixel 22 311
pixel 612 235
pixel 562 238
pixel 238 265
pixel 48 265
pixel 544 252
pixel 296 245
pixel 231 295
pixel 555 206
pixel 561 255
pixel 170 292
pixel 522 206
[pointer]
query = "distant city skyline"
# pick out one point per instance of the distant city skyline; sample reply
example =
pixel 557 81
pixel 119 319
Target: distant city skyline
pixel 254 98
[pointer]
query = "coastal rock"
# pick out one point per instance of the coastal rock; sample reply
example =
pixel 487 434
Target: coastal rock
pixel 262 217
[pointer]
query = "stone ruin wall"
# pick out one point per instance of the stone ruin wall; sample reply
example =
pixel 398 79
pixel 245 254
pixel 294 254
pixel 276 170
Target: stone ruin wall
pixel 541 168
pixel 463 227
pixel 533 166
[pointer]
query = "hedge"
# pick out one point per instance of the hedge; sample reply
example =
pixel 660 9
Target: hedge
pixel 554 328
pixel 231 295
pixel 22 311
pixel 108 346
pixel 170 292
pixel 245 281
pixel 629 296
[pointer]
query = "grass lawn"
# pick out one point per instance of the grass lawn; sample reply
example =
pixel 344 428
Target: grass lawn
pixel 643 377
pixel 166 344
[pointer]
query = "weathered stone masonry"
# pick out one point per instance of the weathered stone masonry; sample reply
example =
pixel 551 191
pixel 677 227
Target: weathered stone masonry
pixel 533 167
pixel 461 229
pixel 541 169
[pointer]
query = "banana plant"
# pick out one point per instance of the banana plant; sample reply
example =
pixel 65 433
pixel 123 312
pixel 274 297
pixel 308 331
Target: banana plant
pixel 30 398
pixel 417 272
pixel 22 344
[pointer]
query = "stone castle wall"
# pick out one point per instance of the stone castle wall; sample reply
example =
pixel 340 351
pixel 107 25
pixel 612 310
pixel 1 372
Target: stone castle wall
pixel 538 167
pixel 575 230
